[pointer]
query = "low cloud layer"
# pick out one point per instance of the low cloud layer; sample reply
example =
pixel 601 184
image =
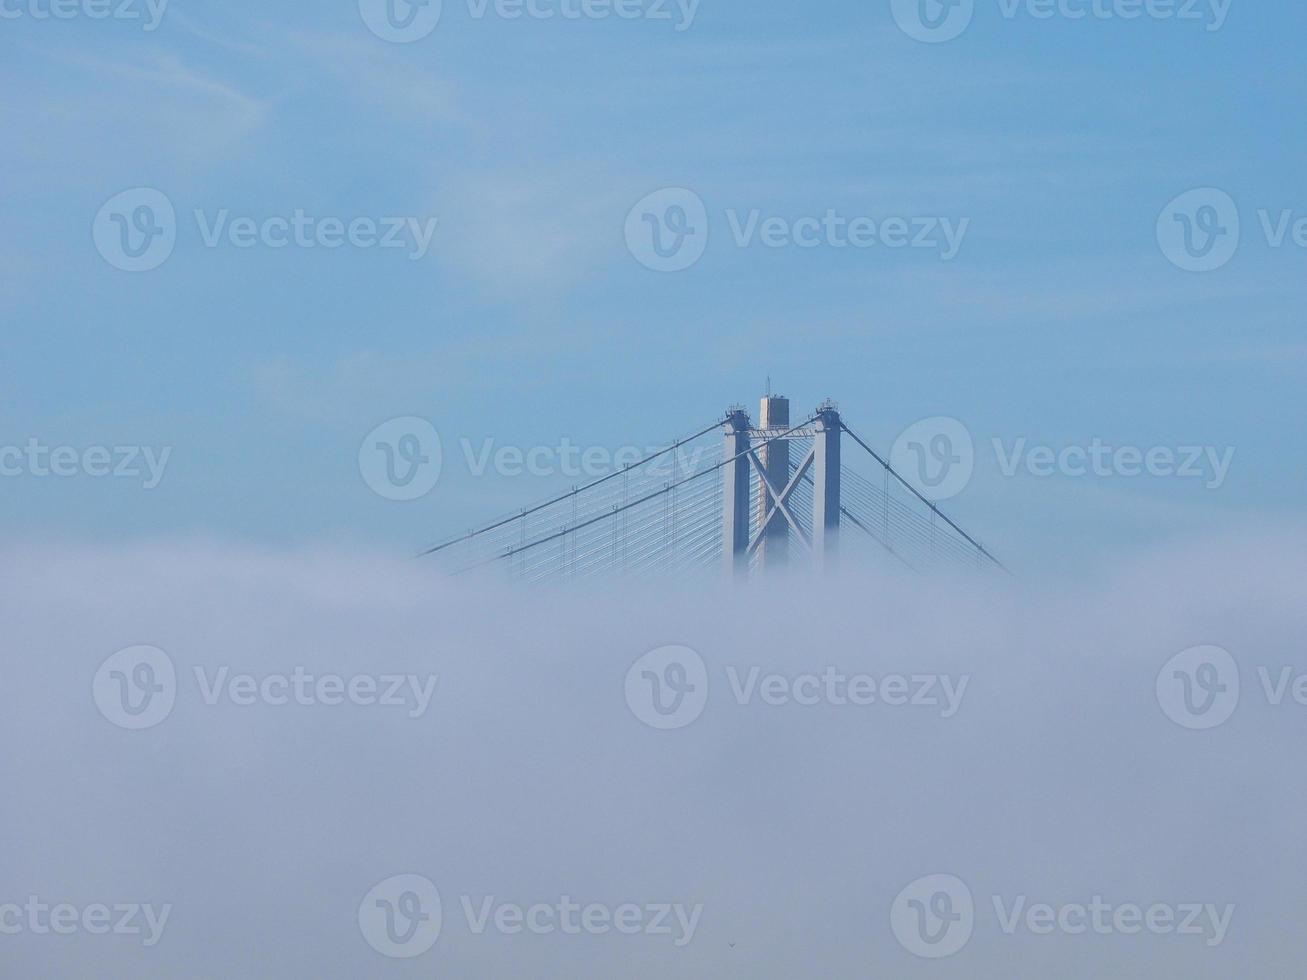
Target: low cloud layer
pixel 799 794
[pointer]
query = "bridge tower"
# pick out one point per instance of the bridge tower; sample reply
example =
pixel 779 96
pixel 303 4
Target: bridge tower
pixel 766 450
pixel 587 533
pixel 773 418
pixel 826 485
pixel 735 493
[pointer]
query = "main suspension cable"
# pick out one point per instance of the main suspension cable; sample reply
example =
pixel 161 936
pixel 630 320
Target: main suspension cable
pixel 889 469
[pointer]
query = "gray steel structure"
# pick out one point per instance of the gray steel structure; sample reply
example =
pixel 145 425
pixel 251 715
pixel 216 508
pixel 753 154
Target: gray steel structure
pixel 771 535
pixel 774 544
pixel 779 489
pixel 735 492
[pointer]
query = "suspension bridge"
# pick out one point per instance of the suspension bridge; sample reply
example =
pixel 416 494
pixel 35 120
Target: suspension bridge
pixel 731 497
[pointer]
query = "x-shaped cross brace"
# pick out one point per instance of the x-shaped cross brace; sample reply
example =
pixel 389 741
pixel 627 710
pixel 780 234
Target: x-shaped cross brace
pixel 780 501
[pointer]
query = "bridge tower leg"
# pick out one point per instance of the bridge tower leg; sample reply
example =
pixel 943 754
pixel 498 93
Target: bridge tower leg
pixel 775 544
pixel 735 494
pixel 826 486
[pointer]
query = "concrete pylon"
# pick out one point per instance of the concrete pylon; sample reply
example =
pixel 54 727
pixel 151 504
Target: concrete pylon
pixel 735 494
pixel 774 417
pixel 762 449
pixel 826 486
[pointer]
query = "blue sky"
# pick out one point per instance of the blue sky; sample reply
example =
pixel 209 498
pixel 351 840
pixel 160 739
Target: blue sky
pixel 1060 319
pixel 1113 229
